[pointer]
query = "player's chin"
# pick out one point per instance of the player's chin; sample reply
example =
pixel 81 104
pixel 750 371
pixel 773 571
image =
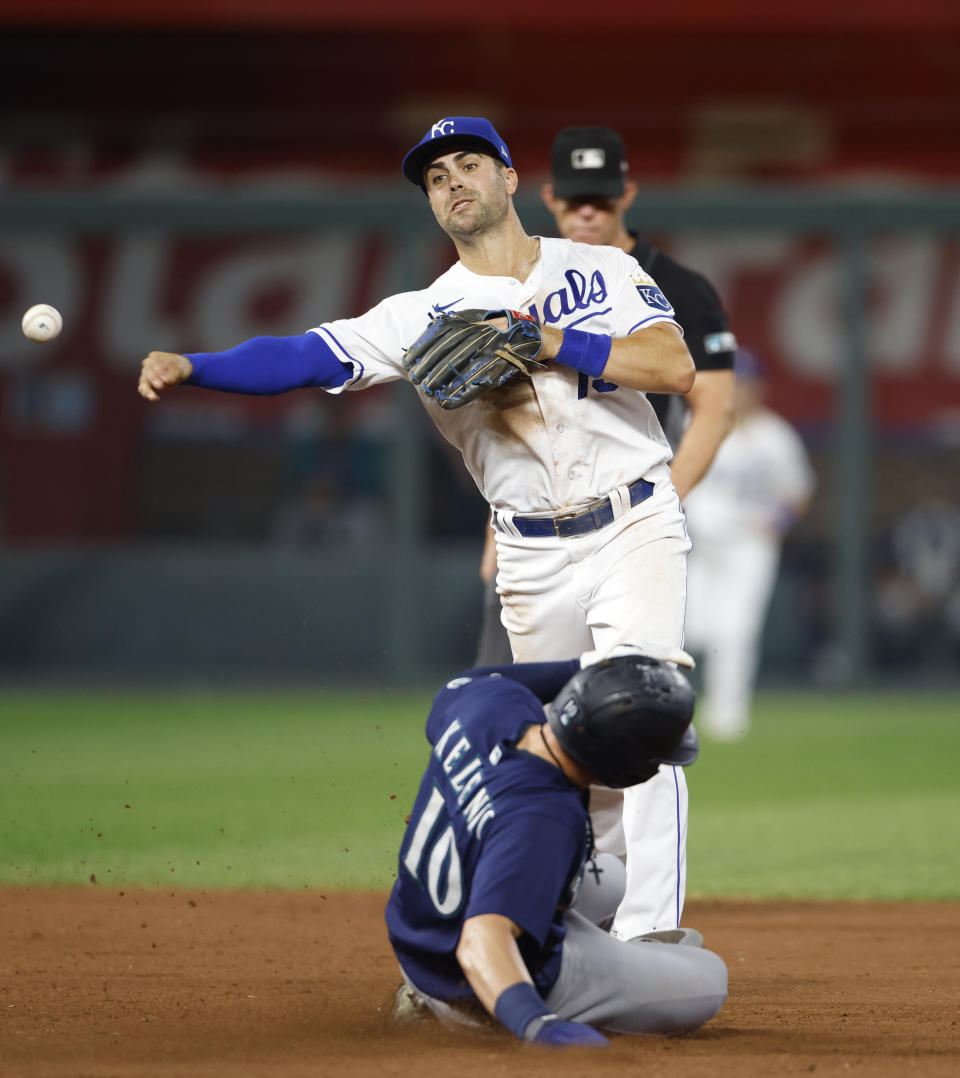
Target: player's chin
pixel 462 225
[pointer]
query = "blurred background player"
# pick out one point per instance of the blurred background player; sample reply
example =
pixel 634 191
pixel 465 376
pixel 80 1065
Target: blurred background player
pixel 589 195
pixel 759 484
pixel 494 855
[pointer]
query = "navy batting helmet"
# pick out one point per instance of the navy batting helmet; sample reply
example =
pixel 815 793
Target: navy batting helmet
pixel 623 717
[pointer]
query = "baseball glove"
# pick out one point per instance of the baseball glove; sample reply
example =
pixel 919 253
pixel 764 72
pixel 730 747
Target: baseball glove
pixel 459 357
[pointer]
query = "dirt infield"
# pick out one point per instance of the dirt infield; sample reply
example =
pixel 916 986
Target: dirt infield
pixel 105 982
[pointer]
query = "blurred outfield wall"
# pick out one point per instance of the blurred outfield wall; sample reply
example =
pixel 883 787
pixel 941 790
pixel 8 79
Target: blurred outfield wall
pixel 312 537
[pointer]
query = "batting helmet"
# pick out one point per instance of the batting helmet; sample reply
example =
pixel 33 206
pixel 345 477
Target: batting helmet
pixel 623 717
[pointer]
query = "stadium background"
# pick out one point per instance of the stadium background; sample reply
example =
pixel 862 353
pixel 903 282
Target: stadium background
pixel 221 619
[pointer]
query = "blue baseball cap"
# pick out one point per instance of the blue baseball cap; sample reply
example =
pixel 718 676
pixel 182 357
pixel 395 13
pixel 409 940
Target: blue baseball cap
pixel 468 131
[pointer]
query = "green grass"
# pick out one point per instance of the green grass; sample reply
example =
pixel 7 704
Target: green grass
pixel 225 789
pixel 850 796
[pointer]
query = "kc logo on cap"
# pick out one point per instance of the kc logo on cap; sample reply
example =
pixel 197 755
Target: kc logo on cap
pixel 457 132
pixel 442 127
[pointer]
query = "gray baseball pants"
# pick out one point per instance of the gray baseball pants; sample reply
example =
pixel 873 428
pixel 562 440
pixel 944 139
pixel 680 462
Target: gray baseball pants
pixel 642 987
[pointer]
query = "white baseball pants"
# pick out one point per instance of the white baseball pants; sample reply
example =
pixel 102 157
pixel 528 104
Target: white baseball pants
pixel 622 584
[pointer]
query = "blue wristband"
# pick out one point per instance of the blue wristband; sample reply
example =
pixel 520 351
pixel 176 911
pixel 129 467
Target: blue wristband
pixel 587 352
pixel 518 1006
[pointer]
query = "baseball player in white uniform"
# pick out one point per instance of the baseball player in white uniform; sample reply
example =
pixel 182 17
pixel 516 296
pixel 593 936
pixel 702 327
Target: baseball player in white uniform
pixel 591 537
pixel 759 483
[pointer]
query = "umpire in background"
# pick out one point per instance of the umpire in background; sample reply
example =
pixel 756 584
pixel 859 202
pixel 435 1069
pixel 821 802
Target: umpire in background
pixel 589 195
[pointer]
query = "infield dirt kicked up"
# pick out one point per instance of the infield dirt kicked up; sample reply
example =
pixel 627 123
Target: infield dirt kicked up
pixel 107 981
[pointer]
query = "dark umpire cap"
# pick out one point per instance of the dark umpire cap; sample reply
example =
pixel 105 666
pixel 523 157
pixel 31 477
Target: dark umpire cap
pixel 470 132
pixel 588 161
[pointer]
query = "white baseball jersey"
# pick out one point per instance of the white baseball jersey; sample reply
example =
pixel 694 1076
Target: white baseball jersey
pixel 560 439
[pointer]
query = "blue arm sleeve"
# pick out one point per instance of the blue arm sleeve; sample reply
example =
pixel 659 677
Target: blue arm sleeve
pixel 267 365
pixel 544 680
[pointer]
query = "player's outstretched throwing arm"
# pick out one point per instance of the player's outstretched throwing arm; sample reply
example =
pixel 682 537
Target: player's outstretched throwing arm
pixel 262 366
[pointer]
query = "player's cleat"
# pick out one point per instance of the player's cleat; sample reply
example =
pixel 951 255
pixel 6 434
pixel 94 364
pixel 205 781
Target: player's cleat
pixel 685 937
pixel 408 1006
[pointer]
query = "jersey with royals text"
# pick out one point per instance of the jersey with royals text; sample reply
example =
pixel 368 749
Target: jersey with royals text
pixel 494 829
pixel 553 441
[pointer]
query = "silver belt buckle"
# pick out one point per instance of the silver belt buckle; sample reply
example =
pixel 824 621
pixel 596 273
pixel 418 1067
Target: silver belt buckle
pixel 588 510
pixel 562 516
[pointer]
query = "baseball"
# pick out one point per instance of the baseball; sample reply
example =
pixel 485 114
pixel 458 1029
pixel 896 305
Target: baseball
pixel 42 322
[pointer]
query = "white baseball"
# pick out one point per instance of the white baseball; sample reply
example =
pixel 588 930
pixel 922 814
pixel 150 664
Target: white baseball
pixel 42 322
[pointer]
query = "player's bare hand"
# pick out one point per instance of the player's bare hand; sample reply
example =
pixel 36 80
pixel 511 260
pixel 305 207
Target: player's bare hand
pixel 160 371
